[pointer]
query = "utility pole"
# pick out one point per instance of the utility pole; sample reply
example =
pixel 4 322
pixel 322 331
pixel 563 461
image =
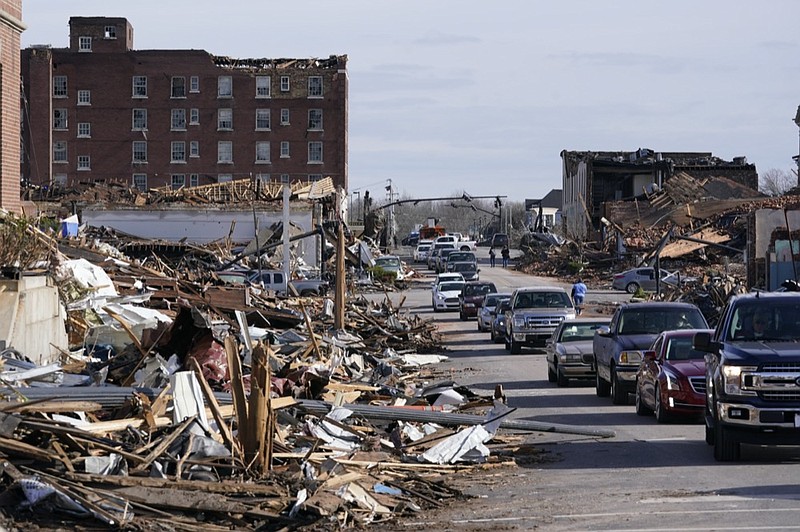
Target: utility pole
pixel 390 217
pixel 797 157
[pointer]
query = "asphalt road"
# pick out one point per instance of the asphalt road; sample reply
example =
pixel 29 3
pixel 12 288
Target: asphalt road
pixel 650 476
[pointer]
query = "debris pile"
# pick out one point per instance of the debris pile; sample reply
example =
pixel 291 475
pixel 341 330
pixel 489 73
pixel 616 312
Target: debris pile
pixel 182 402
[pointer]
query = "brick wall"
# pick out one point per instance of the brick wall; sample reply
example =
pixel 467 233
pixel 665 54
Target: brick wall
pixel 10 29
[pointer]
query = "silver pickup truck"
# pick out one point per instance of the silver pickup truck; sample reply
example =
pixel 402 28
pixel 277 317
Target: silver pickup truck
pixel 535 312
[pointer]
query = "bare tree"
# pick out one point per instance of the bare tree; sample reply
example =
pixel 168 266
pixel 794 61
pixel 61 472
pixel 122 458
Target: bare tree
pixel 776 182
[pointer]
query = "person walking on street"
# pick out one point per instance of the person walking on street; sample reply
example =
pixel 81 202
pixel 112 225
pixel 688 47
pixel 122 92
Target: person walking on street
pixel 578 294
pixel 505 253
pixel 491 257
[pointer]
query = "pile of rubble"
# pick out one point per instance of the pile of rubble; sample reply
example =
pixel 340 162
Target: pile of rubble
pixel 181 403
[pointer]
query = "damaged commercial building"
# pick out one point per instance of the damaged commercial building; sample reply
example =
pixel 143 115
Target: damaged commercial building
pixel 593 179
pixel 100 111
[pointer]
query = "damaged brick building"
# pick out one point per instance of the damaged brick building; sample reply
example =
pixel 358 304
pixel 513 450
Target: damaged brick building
pixel 593 180
pixel 101 111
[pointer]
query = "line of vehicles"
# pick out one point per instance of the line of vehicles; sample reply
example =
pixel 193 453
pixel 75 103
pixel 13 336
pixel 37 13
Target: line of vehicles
pixel 741 378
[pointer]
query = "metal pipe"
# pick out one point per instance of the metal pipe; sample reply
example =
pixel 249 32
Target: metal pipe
pixel 398 413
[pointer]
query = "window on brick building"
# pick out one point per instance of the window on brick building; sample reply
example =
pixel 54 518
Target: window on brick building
pixel 315 86
pixel 84 130
pixel 60 119
pixel 285 149
pixel 60 151
pixel 224 87
pixel 178 181
pixel 60 180
pixel 194 180
pixel 178 87
pixel 178 151
pixel 194 84
pixel 224 119
pixel 140 182
pixel 263 120
pixel 263 178
pixel 59 86
pixel 262 152
pixel 285 178
pixel 224 178
pixel 178 122
pixel 84 44
pixel 314 177
pixel 139 87
pixel 84 162
pixel 139 120
pixel 139 151
pixel 284 117
pixel 262 86
pixel 225 152
pixel 84 97
pixel 284 83
pixel 315 152
pixel 194 148
pixel 194 117
pixel 110 32
pixel 315 119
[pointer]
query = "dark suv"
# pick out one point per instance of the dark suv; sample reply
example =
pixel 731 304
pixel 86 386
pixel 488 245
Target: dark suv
pixel 471 298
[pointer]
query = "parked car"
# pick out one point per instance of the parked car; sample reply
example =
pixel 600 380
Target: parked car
pixel 421 252
pixel 390 263
pixel 671 381
pixel 445 295
pixel 486 312
pixel 469 270
pixel 498 330
pixel 411 240
pixel 569 351
pixel 634 326
pixel 499 240
pixel 472 296
pixel 645 278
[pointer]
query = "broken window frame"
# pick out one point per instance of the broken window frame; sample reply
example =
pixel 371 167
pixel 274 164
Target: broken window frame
pixel 60 119
pixel 263 88
pixel 315 152
pixel 178 120
pixel 224 87
pixel 60 151
pixel 315 87
pixel 60 87
pixel 225 119
pixel 139 182
pixel 139 151
pixel 262 152
pixel 178 87
pixel 139 119
pixel 315 119
pixel 263 120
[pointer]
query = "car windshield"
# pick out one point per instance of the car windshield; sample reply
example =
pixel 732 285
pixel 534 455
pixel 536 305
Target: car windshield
pixel 388 262
pixel 579 332
pixel 423 248
pixel 464 267
pixel 681 349
pixel 460 256
pixel 542 300
pixel 655 320
pixel 451 287
pixel 492 299
pixel 478 289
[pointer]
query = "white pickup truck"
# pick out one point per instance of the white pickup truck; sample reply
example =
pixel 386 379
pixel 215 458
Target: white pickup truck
pixel 458 240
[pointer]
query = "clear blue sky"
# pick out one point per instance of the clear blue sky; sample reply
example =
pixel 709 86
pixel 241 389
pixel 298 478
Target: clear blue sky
pixel 452 95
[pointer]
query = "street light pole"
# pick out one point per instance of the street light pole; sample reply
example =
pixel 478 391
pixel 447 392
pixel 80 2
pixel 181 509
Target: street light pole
pixel 797 157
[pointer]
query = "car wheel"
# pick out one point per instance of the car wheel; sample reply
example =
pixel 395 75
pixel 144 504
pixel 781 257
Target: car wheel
pixel 631 288
pixel 562 379
pixel 726 448
pixel 551 375
pixel 435 309
pixel 493 336
pixel 662 416
pixel 601 387
pixel 618 395
pixel 507 343
pixel 462 316
pixel 641 408
pixel 480 329
pixel 515 347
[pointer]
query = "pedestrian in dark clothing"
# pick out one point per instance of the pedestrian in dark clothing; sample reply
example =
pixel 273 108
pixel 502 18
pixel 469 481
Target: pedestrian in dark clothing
pixel 505 254
pixel 491 256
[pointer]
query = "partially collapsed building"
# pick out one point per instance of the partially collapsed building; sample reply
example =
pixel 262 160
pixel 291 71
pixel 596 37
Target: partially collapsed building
pixel 101 111
pixel 592 180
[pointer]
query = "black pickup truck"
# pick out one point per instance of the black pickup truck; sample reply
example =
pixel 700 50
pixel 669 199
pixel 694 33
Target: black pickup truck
pixel 753 373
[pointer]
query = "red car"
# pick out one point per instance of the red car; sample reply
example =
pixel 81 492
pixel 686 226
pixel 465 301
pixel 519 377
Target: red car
pixel 671 381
